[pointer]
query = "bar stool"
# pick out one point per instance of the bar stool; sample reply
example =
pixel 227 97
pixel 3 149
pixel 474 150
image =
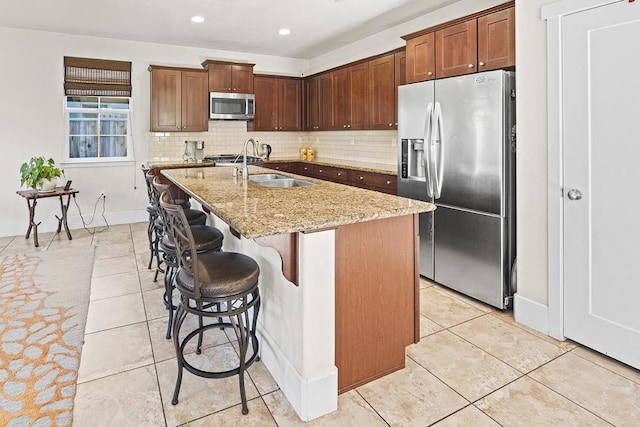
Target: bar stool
pixel 152 210
pixel 221 285
pixel 206 239
pixel 194 216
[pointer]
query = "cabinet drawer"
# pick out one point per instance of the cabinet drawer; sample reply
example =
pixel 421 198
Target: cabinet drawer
pixel 285 167
pixel 375 181
pixel 305 169
pixel 331 173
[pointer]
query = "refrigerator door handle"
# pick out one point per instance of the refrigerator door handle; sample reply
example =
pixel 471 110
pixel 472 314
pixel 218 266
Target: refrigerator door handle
pixel 438 151
pixel 426 153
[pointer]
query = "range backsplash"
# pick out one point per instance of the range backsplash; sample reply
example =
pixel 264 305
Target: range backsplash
pixel 228 137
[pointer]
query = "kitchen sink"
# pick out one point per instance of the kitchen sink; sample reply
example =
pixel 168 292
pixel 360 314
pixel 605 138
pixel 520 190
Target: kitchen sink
pixel 233 160
pixel 278 181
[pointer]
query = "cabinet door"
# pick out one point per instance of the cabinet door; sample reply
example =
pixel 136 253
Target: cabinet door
pixel 456 50
pixel 242 78
pixel 195 111
pixel 400 79
pixel 219 78
pixel 325 102
pixel 421 58
pixel 312 104
pixel 382 91
pixel 342 98
pixel 266 103
pixel 166 100
pixel 289 104
pixel 358 107
pixel 496 40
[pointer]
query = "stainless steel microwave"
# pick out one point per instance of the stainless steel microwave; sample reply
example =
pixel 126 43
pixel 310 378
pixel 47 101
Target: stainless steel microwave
pixel 231 106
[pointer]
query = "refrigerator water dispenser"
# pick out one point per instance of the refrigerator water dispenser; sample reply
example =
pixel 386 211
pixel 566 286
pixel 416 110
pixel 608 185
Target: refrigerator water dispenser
pixel 413 159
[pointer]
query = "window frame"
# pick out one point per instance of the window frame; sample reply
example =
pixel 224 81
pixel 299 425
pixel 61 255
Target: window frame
pixel 96 161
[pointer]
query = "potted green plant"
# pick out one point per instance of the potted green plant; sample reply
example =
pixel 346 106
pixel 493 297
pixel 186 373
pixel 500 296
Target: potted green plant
pixel 40 174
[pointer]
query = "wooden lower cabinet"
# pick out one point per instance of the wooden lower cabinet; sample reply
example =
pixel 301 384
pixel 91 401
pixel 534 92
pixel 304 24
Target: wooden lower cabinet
pixel 384 183
pixel 374 181
pixel 377 298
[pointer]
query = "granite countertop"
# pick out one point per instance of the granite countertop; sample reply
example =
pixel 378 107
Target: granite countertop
pixel 257 211
pixel 349 164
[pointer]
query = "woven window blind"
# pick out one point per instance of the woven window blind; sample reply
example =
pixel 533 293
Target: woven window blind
pixel 96 77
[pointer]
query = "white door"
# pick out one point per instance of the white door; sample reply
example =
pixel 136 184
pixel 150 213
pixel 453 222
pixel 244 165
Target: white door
pixel 601 163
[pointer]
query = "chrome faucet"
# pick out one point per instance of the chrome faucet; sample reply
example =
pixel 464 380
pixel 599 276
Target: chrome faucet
pixel 245 171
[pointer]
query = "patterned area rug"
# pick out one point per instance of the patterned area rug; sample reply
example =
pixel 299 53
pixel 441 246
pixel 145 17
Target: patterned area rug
pixel 44 298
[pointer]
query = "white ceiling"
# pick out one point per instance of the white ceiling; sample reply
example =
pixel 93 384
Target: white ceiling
pixel 317 26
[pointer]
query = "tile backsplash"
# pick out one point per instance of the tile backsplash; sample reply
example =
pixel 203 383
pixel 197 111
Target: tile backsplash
pixel 228 137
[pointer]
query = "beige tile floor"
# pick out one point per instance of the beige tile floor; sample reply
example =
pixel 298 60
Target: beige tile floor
pixel 474 366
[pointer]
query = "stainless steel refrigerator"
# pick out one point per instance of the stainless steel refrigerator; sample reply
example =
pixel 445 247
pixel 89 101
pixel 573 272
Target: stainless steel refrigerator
pixel 457 149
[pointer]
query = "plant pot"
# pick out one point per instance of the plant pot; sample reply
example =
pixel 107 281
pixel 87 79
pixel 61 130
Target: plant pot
pixel 46 185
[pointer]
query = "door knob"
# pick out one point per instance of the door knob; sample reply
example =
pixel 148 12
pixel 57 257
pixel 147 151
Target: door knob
pixel 574 194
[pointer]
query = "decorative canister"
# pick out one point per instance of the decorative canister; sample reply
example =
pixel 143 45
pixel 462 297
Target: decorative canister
pixel 310 153
pixel 303 153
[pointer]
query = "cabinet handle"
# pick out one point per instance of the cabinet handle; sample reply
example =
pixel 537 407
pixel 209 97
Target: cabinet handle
pixel 348 126
pixel 388 182
pixel 319 170
pixel 470 65
pixel 390 124
pixel 305 168
pixel 178 127
pixel 430 73
pixel 361 178
pixel 481 64
pixel 344 126
pixel 396 124
pixel 339 174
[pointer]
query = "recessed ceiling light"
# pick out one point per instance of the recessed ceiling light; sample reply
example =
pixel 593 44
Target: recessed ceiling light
pixel 197 19
pixel 284 31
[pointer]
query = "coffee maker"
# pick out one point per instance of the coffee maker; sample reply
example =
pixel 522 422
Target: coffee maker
pixel 193 151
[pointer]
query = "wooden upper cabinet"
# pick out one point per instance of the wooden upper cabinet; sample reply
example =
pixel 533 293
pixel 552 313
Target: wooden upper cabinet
pixel 278 104
pixel 359 86
pixel 325 102
pixel 342 98
pixel 266 89
pixel 229 77
pixel 400 59
pixel 382 90
pixel 289 104
pixel 195 105
pixel 421 58
pixel 351 97
pixel 312 104
pixel 456 50
pixel 496 40
pixel 179 100
pixel 479 42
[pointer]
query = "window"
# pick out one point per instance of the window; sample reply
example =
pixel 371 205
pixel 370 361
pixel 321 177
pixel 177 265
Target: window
pixel 97 110
pixel 98 127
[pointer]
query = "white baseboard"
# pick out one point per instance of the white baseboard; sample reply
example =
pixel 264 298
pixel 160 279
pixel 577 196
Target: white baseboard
pixel 302 393
pixel 531 313
pixel 74 221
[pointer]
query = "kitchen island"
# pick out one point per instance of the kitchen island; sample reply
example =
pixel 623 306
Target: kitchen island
pixel 338 277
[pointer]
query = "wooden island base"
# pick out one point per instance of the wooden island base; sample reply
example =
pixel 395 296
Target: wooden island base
pixel 355 306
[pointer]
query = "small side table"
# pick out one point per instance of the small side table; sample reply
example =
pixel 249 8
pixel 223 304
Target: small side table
pixel 32 197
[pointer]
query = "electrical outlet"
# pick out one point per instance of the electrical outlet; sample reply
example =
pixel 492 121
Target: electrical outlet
pixel 393 142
